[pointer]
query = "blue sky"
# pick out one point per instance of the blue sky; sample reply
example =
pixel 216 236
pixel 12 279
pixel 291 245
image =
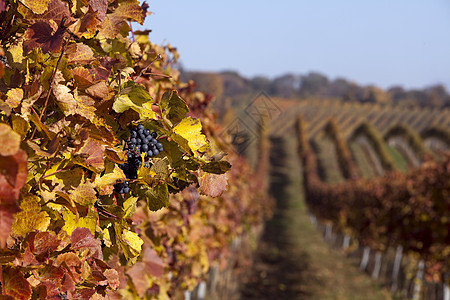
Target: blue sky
pixel 382 42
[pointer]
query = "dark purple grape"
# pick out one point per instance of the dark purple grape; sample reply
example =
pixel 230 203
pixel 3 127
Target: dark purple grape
pixel 159 146
pixel 133 141
pixel 133 134
pixel 149 153
pixel 153 142
pixel 154 135
pixel 138 141
pixel 155 152
pixel 141 127
pixel 144 148
pixel 147 132
pixel 125 190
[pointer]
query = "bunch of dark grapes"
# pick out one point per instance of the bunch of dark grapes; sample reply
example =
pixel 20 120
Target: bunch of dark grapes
pixel 141 141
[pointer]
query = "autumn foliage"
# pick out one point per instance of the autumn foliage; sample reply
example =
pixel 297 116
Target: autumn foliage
pixel 74 78
pixel 410 209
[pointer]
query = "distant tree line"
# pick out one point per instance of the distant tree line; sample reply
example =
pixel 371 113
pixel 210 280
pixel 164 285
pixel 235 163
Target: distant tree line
pixel 234 87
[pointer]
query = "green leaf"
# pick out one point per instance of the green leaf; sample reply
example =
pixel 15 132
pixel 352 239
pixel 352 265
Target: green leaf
pixel 188 134
pixel 157 197
pixel 216 167
pixel 173 108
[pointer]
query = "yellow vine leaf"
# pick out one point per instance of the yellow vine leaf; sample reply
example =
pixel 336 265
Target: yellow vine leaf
pixel 104 183
pixel 84 194
pixel 71 103
pixel 36 6
pixel 15 55
pixel 189 133
pixel 30 218
pixel 131 243
pixel 14 97
pixel 10 140
pixel 129 206
pixel 20 125
pixel 80 53
pixel 71 221
pixel 130 10
pixel 137 98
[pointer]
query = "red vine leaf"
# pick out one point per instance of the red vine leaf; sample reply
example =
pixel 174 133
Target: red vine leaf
pixel 99 90
pixel 94 153
pixel 82 76
pixel 7 211
pixel 212 184
pixel 82 238
pixel 44 243
pixel 100 7
pixel 154 263
pixel 15 284
pixel 42 35
pixel 127 11
pixel 13 175
pixel 140 282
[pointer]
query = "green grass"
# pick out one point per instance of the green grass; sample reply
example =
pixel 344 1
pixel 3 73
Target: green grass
pixel 401 163
pixel 293 260
pixel 361 161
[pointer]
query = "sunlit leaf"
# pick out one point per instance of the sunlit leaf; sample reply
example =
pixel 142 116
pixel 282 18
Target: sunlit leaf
pixel 137 98
pixel 20 125
pixel 84 194
pixel 94 153
pixel 37 6
pixel 72 223
pixel 71 103
pixel 99 90
pixel 15 55
pixel 30 218
pixel 105 182
pixel 10 140
pixel 188 133
pixel 129 10
pixel 80 53
pixel 14 97
pixel 82 76
pixel 131 243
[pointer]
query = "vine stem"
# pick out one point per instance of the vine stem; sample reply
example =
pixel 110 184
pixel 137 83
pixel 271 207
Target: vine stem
pixel 148 66
pixel 51 85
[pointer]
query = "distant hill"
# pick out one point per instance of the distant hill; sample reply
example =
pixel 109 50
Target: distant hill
pixel 230 86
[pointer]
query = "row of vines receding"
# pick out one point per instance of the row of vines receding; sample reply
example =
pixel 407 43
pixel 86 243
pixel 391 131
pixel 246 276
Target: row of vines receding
pixel 411 209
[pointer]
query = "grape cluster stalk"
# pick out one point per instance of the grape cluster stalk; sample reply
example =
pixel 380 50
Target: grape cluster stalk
pixel 141 141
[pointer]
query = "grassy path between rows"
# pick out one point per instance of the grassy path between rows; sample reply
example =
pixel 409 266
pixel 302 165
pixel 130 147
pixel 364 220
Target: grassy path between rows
pixel 293 261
